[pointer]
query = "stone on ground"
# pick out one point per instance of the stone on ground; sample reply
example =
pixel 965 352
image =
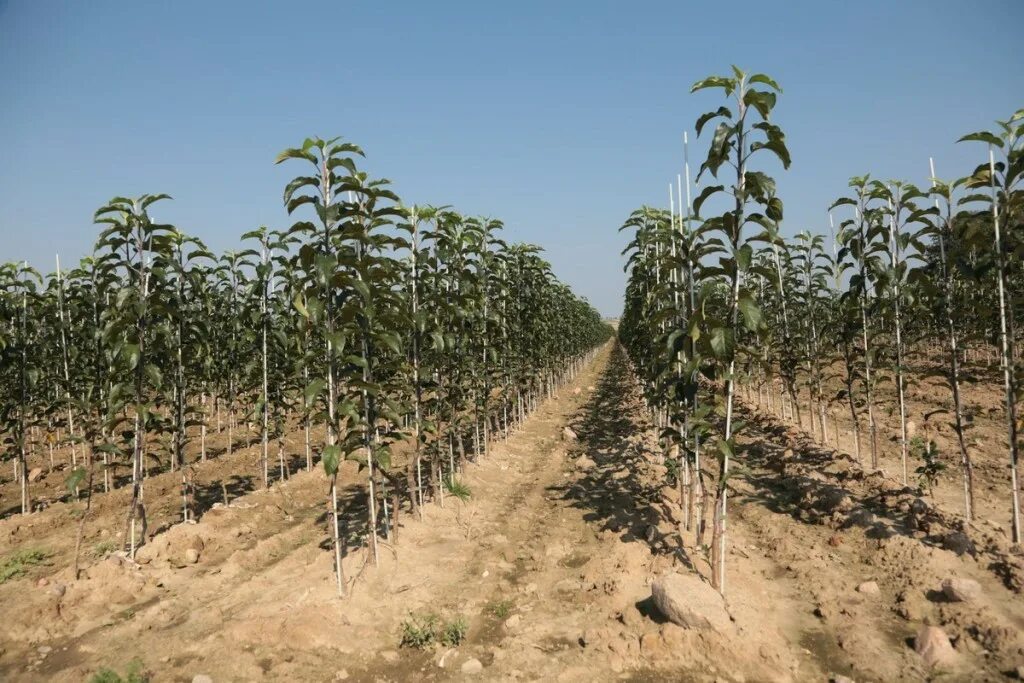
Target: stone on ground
pixel 933 645
pixel 688 601
pixel 961 590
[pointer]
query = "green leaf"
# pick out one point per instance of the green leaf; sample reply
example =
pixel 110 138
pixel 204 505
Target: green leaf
pixel 766 80
pixel 728 84
pixel 313 390
pixel 983 136
pixel 751 313
pixel 74 479
pixel 331 457
pixel 704 195
pixel 722 343
pixel 704 118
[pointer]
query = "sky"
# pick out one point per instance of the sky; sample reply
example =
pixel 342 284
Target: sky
pixel 557 117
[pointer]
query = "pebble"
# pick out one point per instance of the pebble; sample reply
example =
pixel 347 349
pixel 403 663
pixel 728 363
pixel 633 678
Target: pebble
pixel 201 678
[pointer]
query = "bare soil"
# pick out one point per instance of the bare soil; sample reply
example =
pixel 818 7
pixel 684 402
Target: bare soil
pixel 549 564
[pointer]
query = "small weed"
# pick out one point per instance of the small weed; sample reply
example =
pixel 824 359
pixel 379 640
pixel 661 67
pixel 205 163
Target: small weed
pixel 18 563
pixel 423 630
pixel 104 548
pixel 420 631
pixel 928 472
pixel 135 673
pixel 502 609
pixel 457 488
pixel 454 632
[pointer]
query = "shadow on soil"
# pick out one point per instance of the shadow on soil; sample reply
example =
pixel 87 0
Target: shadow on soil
pixel 621 493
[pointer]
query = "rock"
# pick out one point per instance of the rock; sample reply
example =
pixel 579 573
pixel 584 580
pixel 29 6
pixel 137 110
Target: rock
pixel 42 582
pixel 472 666
pixel 584 463
pixel 868 588
pixel 919 506
pixel 512 622
pixel 191 555
pixel 201 678
pixel 958 542
pixel 911 429
pixel 35 473
pixel 58 589
pixel 933 645
pixel 1020 672
pixel 577 391
pixel 688 601
pixel 961 590
pixel 839 678
pixel 44 649
pixel 341 675
pixel 590 388
pixel 568 434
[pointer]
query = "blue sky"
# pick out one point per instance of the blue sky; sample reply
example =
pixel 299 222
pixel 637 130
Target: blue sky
pixel 558 118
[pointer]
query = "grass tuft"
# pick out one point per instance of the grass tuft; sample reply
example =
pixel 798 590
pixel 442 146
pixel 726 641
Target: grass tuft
pixel 135 673
pixel 502 609
pixel 421 631
pixel 17 564
pixel 458 488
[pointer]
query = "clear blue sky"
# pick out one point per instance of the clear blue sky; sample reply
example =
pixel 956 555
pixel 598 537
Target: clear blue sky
pixel 558 117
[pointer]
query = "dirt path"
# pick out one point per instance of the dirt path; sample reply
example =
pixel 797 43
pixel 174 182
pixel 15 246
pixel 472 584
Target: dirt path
pixel 548 565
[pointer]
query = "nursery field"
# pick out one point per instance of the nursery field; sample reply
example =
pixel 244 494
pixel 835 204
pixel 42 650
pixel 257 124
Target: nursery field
pixel 385 444
pixel 545 570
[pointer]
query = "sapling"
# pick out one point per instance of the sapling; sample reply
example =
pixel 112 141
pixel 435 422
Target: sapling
pixel 1003 180
pixel 944 236
pixel 734 142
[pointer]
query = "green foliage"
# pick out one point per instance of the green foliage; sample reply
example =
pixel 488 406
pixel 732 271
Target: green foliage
pixel 104 548
pixel 672 474
pixel 134 673
pixel 502 609
pixel 931 468
pixel 18 563
pixel 421 631
pixel 454 632
pixel 457 488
